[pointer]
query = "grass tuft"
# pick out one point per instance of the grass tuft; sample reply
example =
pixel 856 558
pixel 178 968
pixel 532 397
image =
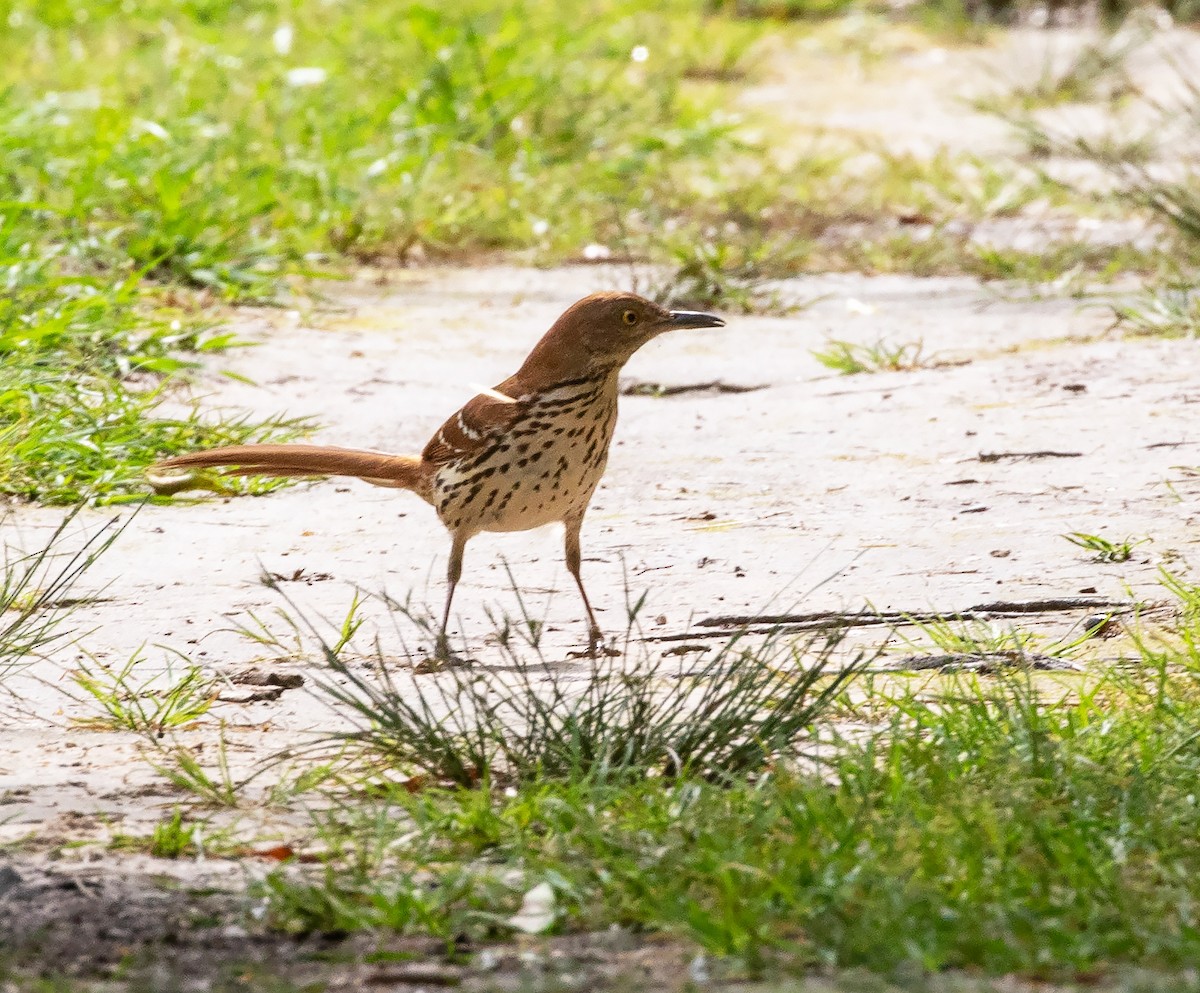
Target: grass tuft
pixel 608 719
pixel 850 358
pixel 35 592
pixel 1104 549
pixel 1164 312
pixel 148 707
pixel 1095 72
pixel 82 363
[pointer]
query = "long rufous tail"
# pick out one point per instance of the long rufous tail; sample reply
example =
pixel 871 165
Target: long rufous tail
pixel 407 472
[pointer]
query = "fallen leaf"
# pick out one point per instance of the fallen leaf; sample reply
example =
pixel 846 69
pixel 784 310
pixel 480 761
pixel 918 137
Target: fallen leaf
pixel 276 853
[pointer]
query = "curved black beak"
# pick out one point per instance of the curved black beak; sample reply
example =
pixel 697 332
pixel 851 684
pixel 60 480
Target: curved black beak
pixel 694 319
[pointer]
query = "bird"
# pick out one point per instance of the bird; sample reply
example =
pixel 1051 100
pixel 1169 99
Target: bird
pixel 528 452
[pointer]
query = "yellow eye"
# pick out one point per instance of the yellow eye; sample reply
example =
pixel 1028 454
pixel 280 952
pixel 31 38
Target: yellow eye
pixel 629 317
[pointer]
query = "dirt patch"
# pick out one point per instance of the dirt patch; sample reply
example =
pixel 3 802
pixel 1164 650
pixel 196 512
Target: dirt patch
pixel 155 931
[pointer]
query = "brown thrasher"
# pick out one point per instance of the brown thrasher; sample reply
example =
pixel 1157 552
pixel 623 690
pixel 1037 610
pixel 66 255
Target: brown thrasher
pixel 527 453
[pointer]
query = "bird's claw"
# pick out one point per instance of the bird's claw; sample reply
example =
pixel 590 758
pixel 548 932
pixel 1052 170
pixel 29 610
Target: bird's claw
pixel 437 663
pixel 442 658
pixel 596 648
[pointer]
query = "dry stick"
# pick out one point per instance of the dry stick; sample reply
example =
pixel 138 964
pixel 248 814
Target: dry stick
pixel 981 662
pixel 998 456
pixel 828 619
pixel 636 388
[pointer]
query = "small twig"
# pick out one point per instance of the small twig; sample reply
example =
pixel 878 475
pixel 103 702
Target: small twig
pixel 981 662
pixel 1047 606
pixel 634 388
pixel 825 620
pixel 999 456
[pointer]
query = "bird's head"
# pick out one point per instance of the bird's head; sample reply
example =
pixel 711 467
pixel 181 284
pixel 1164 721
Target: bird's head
pixel 602 331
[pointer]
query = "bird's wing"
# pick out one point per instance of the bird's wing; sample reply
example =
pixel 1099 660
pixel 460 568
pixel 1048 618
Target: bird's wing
pixel 470 430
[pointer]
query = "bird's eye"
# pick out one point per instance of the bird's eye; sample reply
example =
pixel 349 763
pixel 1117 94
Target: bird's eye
pixel 629 317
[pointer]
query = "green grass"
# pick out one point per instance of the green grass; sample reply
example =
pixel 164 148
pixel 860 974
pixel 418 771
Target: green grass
pixel 715 718
pixel 850 358
pixel 171 838
pixel 1165 311
pixel 961 19
pixel 1026 823
pixel 151 707
pixel 82 361
pixel 37 591
pixel 1131 156
pixel 217 144
pixel 1073 267
pixel 1095 72
pixel 985 639
pixel 1105 549
pixel 757 804
pixel 990 828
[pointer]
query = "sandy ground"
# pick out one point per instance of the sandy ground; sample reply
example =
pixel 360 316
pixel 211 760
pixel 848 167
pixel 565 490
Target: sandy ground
pixel 937 489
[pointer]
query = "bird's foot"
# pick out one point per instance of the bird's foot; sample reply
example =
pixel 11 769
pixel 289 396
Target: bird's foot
pixel 439 663
pixel 596 648
pixel 442 658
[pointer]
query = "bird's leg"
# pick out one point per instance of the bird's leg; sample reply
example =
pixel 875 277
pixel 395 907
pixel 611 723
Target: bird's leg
pixel 453 574
pixel 574 560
